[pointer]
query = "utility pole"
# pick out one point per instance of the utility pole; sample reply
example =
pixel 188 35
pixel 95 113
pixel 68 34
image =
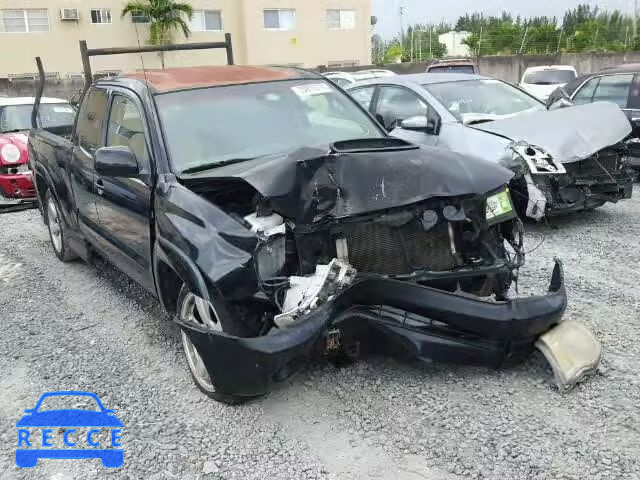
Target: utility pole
pixel 635 18
pixel 402 9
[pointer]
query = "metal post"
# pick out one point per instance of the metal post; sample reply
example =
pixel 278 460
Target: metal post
pixel 39 92
pixel 227 38
pixel 86 65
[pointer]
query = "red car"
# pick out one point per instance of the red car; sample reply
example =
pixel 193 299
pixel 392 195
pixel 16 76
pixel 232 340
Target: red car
pixel 16 184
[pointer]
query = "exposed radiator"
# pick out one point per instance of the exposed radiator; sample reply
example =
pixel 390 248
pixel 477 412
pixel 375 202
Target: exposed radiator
pixel 600 168
pixel 389 250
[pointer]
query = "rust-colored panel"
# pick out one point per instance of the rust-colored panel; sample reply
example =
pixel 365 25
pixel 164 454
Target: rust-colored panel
pixel 193 77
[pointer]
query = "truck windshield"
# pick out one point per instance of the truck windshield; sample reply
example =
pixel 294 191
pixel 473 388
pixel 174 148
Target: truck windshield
pixel 216 125
pixel 18 117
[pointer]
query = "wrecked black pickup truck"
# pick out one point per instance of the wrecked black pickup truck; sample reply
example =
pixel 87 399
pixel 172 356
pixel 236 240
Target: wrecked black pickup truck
pixel 276 220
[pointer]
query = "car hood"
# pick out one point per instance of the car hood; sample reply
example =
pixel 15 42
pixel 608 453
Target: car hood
pixel 69 418
pixel 314 184
pixel 567 134
pixel 19 139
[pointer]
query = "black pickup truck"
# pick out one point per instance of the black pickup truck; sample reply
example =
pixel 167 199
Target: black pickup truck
pixel 275 219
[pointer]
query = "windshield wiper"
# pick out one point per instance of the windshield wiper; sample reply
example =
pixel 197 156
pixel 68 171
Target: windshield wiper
pixel 212 165
pixel 15 130
pixel 479 120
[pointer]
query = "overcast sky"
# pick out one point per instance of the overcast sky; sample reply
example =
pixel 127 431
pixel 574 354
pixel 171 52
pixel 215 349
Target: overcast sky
pixel 433 11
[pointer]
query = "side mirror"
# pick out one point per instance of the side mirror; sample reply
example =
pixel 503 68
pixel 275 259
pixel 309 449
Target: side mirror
pixel 116 161
pixel 420 124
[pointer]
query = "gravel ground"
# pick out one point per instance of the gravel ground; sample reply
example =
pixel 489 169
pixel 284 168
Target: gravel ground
pixel 79 327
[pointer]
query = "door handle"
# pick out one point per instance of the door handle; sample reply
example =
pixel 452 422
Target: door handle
pixel 99 186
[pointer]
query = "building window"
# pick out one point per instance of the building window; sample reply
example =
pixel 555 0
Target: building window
pixel 341 19
pixel 206 21
pixel 276 19
pixel 138 17
pixel 100 15
pixel 16 21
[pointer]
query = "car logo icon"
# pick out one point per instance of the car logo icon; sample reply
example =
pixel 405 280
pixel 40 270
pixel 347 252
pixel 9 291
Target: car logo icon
pixel 68 422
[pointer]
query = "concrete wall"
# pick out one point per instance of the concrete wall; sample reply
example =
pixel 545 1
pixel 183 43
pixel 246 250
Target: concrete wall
pixel 511 67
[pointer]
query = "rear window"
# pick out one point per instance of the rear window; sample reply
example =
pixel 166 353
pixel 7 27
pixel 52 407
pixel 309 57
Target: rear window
pixel 452 69
pixel 549 77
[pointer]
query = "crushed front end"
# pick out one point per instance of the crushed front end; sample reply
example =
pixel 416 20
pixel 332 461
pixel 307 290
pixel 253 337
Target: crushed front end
pixel 16 183
pixel 389 249
pixel 548 187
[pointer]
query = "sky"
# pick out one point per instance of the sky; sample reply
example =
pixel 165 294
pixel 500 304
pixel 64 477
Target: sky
pixel 433 11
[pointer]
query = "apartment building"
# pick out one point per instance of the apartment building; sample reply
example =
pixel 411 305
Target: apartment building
pixel 264 32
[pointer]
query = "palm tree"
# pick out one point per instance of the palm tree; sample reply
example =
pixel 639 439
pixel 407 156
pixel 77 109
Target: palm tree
pixel 165 17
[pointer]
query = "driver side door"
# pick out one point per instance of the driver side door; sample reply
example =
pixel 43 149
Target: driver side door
pixel 124 203
pixel 394 104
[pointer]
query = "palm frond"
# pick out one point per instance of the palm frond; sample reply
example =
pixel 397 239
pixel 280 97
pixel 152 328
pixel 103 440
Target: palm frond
pixel 136 6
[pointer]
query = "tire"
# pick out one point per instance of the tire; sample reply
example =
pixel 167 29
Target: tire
pixel 57 230
pixel 190 309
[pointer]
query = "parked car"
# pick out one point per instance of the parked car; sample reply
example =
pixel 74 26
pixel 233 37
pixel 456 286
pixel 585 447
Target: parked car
pixel 16 185
pixel 344 79
pixel 564 160
pixel 619 85
pixel 276 219
pixel 541 81
pixel 453 65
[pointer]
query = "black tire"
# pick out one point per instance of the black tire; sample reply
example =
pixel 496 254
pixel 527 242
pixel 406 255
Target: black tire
pixel 57 229
pixel 228 326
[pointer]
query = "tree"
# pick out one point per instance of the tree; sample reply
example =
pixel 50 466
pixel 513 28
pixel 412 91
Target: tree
pixel 165 18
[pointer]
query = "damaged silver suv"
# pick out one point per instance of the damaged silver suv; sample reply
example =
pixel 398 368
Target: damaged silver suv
pixel 564 160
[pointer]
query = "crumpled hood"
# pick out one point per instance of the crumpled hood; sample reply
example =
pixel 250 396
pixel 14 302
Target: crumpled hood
pixel 312 184
pixel 18 139
pixel 567 134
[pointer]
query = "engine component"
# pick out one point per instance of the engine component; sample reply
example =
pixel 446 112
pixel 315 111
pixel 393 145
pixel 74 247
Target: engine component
pixel 266 225
pixel 538 161
pixel 307 293
pixel 537 201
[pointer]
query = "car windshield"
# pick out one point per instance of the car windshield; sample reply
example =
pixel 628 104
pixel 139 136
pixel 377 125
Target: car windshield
pixel 549 77
pixel 18 117
pixel 66 402
pixel 205 127
pixel 483 99
pixel 452 69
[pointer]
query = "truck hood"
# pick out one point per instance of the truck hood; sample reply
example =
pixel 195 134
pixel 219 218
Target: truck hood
pixel 313 184
pixel 19 139
pixel 567 134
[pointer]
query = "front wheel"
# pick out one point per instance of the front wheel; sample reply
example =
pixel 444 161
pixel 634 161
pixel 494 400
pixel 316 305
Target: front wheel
pixel 192 309
pixel 57 233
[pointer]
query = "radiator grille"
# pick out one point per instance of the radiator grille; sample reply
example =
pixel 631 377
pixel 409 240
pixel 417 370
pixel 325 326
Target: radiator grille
pixel 388 250
pixel 600 168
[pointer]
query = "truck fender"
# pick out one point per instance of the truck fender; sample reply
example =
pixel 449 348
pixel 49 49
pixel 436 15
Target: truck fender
pixel 182 265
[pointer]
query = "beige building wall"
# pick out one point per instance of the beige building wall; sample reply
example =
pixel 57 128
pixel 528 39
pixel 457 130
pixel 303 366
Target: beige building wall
pixel 310 43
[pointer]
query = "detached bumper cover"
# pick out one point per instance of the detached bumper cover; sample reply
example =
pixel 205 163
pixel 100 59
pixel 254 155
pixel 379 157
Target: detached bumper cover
pixel 403 317
pixel 16 189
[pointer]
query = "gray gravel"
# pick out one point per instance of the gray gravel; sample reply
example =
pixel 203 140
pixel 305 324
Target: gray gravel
pixel 73 326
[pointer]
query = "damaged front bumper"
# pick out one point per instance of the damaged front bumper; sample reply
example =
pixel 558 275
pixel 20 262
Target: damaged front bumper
pixel 391 316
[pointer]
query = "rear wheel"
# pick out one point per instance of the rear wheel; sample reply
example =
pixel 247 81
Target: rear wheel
pixel 57 233
pixel 194 310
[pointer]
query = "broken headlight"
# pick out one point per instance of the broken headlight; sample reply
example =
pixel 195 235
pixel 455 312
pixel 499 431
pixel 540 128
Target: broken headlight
pixel 500 207
pixel 270 257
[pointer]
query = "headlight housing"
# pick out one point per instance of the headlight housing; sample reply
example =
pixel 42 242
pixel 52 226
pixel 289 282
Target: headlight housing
pixel 500 207
pixel 10 153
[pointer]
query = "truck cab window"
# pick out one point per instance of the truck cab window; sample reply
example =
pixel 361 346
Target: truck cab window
pixel 126 128
pixel 91 120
